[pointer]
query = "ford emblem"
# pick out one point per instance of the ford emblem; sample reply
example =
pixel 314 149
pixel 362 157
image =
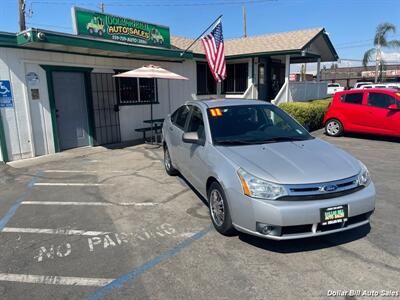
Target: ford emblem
pixel 329 188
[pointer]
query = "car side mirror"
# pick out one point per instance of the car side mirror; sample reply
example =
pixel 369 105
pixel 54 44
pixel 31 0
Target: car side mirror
pixel 192 138
pixel 393 107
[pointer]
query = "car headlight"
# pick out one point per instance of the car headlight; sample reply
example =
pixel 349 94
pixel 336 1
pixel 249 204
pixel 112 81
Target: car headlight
pixel 363 177
pixel 259 188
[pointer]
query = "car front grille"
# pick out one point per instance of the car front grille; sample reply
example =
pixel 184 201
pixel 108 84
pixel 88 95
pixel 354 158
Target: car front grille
pixel 319 191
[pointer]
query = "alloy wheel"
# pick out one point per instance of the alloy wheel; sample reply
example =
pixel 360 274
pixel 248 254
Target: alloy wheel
pixel 217 207
pixel 333 127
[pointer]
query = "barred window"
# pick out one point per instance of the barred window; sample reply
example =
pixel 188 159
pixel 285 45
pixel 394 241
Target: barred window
pixel 134 91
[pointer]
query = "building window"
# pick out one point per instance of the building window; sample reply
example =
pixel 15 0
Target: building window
pixel 134 91
pixel 206 84
pixel 236 80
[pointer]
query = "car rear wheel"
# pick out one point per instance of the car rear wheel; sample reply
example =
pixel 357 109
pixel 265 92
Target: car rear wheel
pixel 333 127
pixel 169 168
pixel 219 210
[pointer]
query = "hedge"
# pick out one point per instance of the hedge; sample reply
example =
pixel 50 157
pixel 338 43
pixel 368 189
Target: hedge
pixel 309 114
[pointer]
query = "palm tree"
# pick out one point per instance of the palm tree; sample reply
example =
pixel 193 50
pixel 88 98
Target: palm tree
pixel 380 41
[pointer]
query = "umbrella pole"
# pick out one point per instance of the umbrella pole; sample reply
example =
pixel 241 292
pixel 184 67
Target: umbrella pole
pixel 151 112
pixel 151 118
pixel 169 98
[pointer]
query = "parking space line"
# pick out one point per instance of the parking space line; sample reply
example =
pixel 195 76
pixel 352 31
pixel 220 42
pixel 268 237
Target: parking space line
pixel 79 203
pixel 79 232
pixel 59 231
pixel 121 281
pixel 56 280
pixel 66 203
pixel 11 212
pixel 69 184
pixel 79 171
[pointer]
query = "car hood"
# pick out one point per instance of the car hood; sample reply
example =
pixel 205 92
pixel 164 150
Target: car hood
pixel 303 162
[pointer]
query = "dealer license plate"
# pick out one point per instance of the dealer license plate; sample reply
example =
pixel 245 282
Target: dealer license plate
pixel 333 215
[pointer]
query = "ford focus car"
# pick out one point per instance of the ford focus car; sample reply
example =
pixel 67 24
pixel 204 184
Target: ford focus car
pixel 263 173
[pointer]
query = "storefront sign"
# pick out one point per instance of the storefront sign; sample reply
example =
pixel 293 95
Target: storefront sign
pixel 109 27
pixel 6 99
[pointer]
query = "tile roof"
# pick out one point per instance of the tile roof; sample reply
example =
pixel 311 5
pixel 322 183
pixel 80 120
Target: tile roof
pixel 274 42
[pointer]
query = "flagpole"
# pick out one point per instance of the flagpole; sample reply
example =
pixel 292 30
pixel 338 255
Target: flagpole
pixel 201 35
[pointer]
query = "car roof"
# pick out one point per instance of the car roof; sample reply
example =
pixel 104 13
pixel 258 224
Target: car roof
pixel 210 103
pixel 369 90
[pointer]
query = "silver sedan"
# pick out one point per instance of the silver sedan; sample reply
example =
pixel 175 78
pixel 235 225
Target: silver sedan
pixel 263 173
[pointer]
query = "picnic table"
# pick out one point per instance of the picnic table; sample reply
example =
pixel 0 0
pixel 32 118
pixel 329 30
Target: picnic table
pixel 155 128
pixel 154 121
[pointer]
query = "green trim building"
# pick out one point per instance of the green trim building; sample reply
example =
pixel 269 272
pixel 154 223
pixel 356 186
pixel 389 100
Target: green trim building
pixel 62 83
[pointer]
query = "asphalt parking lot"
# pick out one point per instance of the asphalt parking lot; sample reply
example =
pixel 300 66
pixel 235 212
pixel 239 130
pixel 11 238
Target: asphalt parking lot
pixel 98 223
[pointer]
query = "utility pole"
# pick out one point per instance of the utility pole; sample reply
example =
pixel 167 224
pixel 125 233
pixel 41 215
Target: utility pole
pixel 101 6
pixel 244 22
pixel 21 6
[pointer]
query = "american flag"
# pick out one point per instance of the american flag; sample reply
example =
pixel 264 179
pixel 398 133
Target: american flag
pixel 214 48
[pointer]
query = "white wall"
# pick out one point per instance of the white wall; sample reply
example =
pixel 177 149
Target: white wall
pixel 15 120
pixel 28 126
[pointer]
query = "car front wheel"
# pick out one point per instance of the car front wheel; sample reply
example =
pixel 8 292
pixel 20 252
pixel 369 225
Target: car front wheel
pixel 219 210
pixel 333 127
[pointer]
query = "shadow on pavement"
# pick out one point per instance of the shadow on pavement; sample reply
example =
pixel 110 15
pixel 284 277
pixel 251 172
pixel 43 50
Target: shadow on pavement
pixel 371 137
pixel 193 189
pixel 308 244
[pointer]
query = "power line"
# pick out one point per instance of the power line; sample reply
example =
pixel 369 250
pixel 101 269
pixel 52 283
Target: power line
pixel 354 46
pixel 48 25
pixel 350 43
pixel 165 4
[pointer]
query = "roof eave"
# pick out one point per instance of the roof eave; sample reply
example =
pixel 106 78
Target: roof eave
pixel 327 40
pixel 29 37
pixel 255 54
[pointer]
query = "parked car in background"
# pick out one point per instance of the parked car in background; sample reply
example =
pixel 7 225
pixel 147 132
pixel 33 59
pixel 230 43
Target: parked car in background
pixel 333 88
pixel 360 84
pixel 388 85
pixel 383 86
pixel 263 173
pixel 375 111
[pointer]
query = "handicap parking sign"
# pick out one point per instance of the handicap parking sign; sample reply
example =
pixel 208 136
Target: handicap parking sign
pixel 6 99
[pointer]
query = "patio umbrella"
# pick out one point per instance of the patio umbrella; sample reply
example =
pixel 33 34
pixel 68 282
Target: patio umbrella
pixel 156 72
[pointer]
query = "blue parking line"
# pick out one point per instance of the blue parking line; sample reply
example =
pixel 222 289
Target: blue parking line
pixel 120 281
pixel 11 212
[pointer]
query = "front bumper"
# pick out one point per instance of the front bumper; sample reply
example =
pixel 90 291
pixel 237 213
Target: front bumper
pixel 299 219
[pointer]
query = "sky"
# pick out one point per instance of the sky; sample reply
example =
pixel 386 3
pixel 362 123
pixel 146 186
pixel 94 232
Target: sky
pixel 351 24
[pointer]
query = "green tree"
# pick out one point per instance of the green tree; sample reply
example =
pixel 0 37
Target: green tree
pixel 380 41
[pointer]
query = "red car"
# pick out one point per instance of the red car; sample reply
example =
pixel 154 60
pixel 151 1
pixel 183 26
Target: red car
pixel 374 111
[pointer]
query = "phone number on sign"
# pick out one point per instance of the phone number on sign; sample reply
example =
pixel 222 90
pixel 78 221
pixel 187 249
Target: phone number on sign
pixel 364 293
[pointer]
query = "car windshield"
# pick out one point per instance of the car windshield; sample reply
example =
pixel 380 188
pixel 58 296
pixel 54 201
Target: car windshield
pixel 253 124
